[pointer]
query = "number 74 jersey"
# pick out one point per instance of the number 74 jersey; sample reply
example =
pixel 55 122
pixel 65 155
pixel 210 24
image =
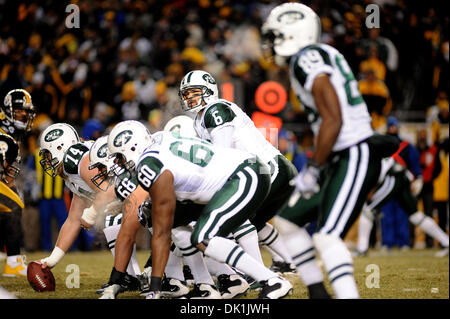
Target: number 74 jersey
pixel 317 59
pixel 199 168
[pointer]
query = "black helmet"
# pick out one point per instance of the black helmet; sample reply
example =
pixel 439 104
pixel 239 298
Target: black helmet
pixel 17 100
pixel 9 156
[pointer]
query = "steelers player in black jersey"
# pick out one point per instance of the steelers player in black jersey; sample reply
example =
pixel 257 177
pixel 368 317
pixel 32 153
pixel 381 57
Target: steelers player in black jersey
pixel 17 113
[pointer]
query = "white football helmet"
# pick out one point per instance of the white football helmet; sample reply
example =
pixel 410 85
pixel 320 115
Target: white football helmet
pixel 202 80
pixel 290 27
pixel 99 158
pixel 126 142
pixel 183 125
pixel 54 142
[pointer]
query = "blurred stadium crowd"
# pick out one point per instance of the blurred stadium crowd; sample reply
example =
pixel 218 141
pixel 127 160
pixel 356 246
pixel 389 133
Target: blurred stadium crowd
pixel 128 57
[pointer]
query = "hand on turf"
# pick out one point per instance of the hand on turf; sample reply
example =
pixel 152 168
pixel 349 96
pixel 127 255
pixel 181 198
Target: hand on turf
pixel 85 224
pixel 153 295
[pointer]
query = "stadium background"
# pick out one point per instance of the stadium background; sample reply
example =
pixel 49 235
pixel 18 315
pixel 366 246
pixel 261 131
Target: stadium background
pixel 126 59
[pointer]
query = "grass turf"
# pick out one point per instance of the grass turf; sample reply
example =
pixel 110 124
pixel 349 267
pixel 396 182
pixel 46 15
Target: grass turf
pixel 414 274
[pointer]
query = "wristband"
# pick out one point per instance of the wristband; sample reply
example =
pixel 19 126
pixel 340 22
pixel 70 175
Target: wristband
pixel 89 215
pixel 155 283
pixel 55 257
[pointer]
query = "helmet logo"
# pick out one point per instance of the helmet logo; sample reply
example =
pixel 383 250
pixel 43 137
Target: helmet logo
pixel 175 128
pixel 122 138
pixel 53 135
pixel 102 151
pixel 289 17
pixel 3 147
pixel 7 100
pixel 208 78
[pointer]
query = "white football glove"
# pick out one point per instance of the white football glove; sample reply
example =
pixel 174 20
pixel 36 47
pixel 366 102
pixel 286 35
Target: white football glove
pixel 110 292
pixel 416 186
pixel 306 182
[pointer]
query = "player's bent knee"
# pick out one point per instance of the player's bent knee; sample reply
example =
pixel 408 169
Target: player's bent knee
pixel 417 218
pixel 285 227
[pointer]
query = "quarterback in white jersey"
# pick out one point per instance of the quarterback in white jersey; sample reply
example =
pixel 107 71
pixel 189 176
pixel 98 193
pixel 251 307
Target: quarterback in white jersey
pixel 64 154
pixel 177 168
pixel 346 147
pixel 226 124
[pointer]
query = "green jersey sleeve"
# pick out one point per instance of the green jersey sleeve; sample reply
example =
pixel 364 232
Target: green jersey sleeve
pixel 310 62
pixel 72 158
pixel 148 170
pixel 218 114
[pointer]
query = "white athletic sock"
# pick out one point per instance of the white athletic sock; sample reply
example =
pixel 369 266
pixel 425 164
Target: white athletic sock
pixel 13 261
pixel 247 238
pixel 198 268
pixel 338 264
pixel 111 233
pixel 429 226
pixel 301 247
pixel 174 268
pixel 269 237
pixel 225 250
pixel 216 268
pixel 365 225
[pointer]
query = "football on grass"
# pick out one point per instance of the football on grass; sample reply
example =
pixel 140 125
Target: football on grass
pixel 40 279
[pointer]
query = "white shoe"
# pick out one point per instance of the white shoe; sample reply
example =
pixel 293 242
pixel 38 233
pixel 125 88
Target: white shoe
pixel 204 291
pixel 231 286
pixel 275 288
pixel 110 292
pixel 442 253
pixel 173 288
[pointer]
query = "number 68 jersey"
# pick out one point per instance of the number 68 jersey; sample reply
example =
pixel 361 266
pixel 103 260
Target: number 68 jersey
pixel 317 59
pixel 199 168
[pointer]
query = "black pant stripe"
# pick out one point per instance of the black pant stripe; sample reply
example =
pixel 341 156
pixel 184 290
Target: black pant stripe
pixel 341 275
pixel 305 261
pixel 339 266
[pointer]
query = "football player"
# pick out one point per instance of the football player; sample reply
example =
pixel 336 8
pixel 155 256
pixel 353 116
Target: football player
pixel 16 119
pixel 10 203
pixel 64 154
pixel 345 142
pixel 395 182
pixel 225 124
pixel 177 168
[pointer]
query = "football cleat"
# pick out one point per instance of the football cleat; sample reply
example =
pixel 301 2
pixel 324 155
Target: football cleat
pixel 129 283
pixel 173 288
pixel 111 291
pixel 275 288
pixel 231 286
pixel 144 284
pixel 18 269
pixel 442 253
pixel 188 275
pixel 282 267
pixel 203 291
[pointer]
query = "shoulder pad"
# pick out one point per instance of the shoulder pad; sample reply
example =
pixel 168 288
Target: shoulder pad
pixel 73 156
pixel 217 114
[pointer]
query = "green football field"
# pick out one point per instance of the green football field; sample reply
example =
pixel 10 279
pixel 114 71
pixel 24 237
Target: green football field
pixel 414 274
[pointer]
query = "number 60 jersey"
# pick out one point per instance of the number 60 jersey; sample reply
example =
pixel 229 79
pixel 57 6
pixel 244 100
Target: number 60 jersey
pixel 199 168
pixel 317 59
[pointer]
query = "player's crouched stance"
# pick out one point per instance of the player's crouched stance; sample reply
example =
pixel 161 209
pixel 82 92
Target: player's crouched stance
pixel 175 168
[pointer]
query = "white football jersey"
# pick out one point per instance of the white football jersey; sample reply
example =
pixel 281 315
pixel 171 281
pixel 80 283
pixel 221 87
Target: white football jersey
pixel 321 58
pixel 245 136
pixel 71 168
pixel 199 168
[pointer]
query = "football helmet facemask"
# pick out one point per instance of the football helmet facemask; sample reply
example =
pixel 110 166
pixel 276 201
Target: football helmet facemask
pixel 54 141
pixel 197 89
pixel 19 109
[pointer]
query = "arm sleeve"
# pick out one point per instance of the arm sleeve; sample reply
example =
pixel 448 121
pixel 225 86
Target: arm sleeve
pixel 414 161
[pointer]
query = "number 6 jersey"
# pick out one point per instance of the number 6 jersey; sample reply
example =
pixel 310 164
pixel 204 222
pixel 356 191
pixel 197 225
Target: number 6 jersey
pixel 199 168
pixel 316 59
